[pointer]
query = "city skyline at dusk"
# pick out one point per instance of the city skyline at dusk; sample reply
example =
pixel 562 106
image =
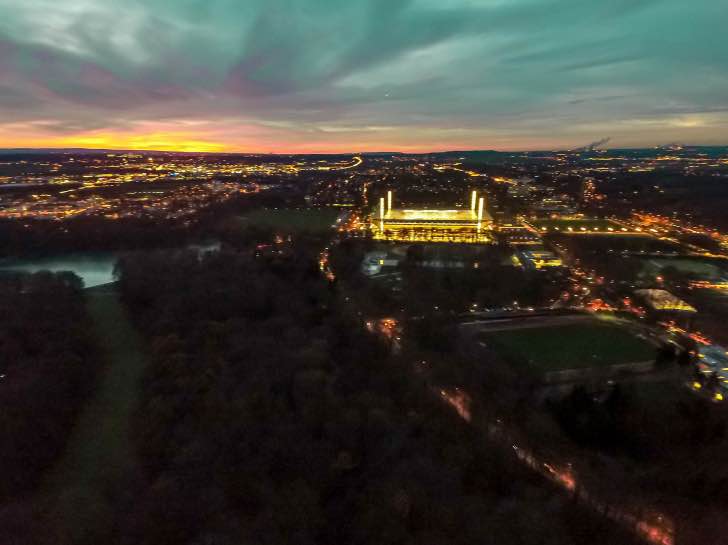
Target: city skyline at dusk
pixel 322 76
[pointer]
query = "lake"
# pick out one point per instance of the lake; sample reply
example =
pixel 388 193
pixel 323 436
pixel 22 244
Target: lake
pixel 94 268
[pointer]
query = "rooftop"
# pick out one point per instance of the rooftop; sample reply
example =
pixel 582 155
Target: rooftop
pixel 434 215
pixel 664 300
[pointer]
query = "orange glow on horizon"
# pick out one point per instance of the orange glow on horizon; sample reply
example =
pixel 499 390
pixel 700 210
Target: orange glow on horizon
pixel 157 141
pixel 212 136
pixel 245 137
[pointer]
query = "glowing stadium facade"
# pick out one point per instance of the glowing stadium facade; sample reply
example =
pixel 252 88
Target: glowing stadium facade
pixel 461 225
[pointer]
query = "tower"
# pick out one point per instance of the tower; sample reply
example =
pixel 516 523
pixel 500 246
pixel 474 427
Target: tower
pixel 481 205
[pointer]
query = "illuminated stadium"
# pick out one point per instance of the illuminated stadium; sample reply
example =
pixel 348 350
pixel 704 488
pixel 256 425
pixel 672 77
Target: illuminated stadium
pixel 464 225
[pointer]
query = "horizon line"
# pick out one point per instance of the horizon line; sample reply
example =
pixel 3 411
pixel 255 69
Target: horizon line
pixel 381 152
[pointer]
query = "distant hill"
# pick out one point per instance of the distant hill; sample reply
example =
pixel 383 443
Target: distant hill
pixel 470 155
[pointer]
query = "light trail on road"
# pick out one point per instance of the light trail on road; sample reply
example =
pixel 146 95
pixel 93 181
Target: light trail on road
pixel 659 531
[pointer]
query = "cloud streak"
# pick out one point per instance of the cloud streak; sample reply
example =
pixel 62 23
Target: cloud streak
pixel 319 75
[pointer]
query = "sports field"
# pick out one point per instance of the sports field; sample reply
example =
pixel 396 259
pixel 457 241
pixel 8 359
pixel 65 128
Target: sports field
pixel 288 220
pixel 574 346
pixel 634 244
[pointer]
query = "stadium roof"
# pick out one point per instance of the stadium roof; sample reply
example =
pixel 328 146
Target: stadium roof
pixel 433 215
pixel 664 300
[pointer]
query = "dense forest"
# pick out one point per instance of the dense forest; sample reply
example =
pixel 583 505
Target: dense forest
pixel 48 367
pixel 487 279
pixel 271 415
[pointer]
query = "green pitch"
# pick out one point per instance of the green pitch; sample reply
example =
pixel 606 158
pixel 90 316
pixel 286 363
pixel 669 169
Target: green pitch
pixel 569 347
pixel 308 220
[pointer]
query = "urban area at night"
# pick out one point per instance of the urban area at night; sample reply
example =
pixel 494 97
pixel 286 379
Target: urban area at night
pixel 567 306
pixel 369 273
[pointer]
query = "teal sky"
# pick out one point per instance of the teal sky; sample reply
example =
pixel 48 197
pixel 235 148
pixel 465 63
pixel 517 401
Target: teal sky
pixel 353 75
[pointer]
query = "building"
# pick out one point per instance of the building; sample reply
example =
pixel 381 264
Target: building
pixel 517 234
pixel 522 188
pixel 462 225
pixel 662 300
pixel 538 257
pixel 588 190
pixel 375 261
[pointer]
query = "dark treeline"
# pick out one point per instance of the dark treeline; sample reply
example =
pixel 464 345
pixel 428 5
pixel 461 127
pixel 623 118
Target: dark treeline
pixel 48 365
pixel 85 234
pixel 270 415
pixel 490 286
pixel 38 238
pixel 485 278
pixel 699 196
pixel 671 445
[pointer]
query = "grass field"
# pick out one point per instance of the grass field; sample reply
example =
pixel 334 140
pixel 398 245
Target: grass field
pixel 100 456
pixel 307 220
pixel 624 243
pixel 703 269
pixel 569 347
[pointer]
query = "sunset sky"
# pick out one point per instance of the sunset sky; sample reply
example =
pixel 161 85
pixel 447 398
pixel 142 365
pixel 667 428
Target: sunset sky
pixel 361 75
